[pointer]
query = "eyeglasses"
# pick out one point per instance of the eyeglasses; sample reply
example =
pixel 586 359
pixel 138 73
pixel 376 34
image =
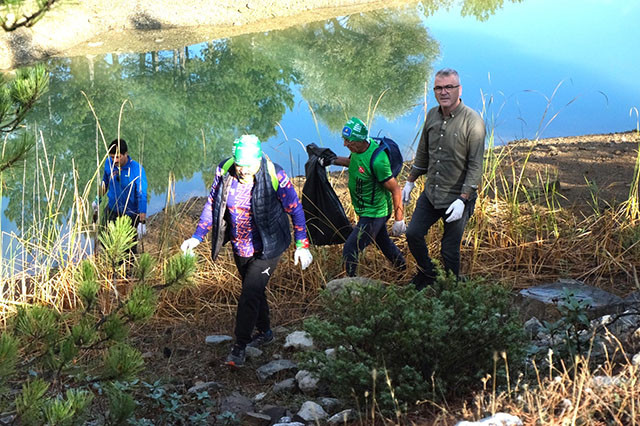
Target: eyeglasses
pixel 447 88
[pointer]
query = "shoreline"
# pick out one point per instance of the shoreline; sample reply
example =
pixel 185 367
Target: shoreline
pixel 95 27
pixel 606 158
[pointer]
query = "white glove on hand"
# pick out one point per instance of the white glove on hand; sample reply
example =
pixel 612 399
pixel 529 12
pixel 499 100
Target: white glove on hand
pixel 95 204
pixel 188 245
pixel 142 230
pixel 406 192
pixel 398 228
pixel 456 209
pixel 303 255
pixel 324 162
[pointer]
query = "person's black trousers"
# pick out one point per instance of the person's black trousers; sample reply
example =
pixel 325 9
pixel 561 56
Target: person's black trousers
pixel 253 309
pixel 366 231
pixel 424 216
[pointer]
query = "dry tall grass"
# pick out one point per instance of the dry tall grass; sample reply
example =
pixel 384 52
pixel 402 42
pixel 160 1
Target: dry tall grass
pixel 582 395
pixel 519 234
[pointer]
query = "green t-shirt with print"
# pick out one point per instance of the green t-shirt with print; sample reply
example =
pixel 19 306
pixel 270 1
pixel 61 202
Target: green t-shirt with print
pixel 368 196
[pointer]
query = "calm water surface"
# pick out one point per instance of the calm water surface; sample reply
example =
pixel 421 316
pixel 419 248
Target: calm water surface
pixel 538 68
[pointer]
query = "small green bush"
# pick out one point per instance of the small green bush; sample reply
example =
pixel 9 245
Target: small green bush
pixel 399 345
pixel 55 357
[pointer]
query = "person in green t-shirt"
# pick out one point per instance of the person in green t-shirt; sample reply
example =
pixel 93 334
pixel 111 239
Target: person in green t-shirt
pixel 375 195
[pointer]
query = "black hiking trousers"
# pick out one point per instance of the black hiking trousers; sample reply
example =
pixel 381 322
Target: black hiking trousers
pixel 253 309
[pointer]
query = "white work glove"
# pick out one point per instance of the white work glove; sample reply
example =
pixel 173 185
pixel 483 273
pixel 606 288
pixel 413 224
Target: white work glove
pixel 406 192
pixel 188 245
pixel 142 230
pixel 456 209
pixel 303 255
pixel 95 204
pixel 324 162
pixel 398 228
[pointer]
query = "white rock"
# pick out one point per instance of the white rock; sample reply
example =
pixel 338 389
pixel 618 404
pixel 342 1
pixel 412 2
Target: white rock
pixel 498 419
pixel 636 359
pixel 342 417
pixel 217 339
pixel 204 386
pixel 312 412
pixel 253 352
pixel 299 340
pixel 307 382
pixel 286 385
pixel 606 381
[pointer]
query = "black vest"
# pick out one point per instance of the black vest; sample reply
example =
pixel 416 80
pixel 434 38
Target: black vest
pixel 268 214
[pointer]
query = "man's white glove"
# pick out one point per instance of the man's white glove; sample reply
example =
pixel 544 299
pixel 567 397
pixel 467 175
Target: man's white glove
pixel 95 204
pixel 406 192
pixel 142 230
pixel 188 245
pixel 303 255
pixel 398 228
pixel 324 162
pixel 456 209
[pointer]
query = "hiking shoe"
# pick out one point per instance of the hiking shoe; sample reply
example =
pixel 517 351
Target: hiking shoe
pixel 261 339
pixel 237 357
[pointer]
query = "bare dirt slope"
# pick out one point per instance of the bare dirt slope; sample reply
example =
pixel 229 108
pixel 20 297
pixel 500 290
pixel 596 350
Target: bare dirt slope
pixel 91 27
pixel 583 166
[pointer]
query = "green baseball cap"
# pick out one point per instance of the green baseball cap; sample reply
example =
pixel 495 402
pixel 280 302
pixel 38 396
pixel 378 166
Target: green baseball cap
pixel 247 150
pixel 355 130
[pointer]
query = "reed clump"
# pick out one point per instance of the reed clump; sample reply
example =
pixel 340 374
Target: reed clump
pixel 580 394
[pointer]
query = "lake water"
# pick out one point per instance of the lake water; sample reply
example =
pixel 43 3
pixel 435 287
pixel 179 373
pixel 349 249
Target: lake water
pixel 538 68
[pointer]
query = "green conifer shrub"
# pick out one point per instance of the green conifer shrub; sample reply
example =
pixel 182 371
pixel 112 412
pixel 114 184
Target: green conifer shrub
pixel 59 358
pixel 17 96
pixel 400 346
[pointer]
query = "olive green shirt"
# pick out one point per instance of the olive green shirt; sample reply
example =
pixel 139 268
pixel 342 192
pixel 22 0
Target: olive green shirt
pixel 450 153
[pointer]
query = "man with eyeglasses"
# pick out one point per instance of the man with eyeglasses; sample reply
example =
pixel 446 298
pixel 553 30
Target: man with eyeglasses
pixel 450 153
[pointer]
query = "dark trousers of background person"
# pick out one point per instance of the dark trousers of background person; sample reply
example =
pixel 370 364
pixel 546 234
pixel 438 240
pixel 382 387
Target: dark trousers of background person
pixel 253 309
pixel 366 231
pixel 112 215
pixel 424 216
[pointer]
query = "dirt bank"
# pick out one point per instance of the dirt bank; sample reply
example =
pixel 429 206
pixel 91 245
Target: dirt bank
pixel 93 27
pixel 584 169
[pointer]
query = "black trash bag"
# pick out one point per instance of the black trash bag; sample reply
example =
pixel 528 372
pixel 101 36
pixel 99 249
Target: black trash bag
pixel 327 222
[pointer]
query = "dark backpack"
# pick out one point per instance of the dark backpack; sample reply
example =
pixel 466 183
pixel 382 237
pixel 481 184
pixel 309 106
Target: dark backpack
pixel 392 149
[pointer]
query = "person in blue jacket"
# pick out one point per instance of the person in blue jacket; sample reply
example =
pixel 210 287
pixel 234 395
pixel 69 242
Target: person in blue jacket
pixel 125 182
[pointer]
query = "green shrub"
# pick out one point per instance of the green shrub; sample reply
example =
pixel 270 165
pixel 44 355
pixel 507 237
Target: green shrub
pixel 8 356
pixel 400 346
pixel 48 353
pixel 121 404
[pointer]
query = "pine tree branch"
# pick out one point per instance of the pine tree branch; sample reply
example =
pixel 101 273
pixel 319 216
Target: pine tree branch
pixel 27 20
